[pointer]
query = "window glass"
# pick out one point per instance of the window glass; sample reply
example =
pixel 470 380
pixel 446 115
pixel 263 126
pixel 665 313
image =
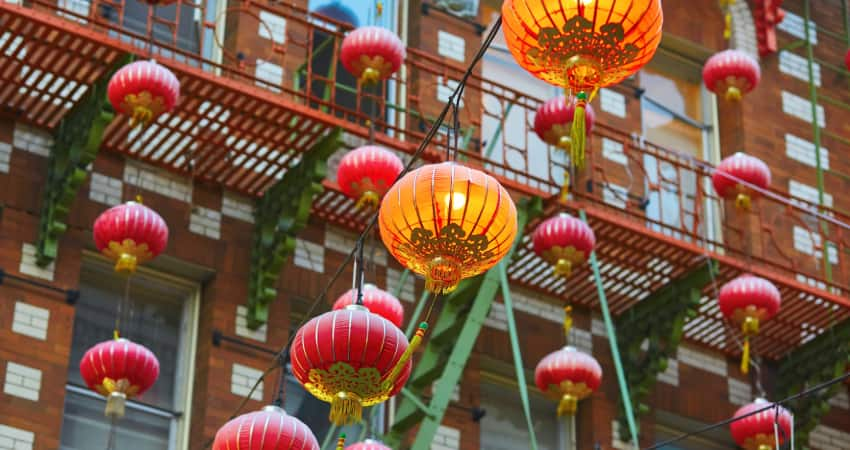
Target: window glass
pixel 503 427
pixel 158 318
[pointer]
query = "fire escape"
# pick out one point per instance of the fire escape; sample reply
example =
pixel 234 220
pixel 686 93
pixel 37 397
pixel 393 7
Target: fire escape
pixel 266 137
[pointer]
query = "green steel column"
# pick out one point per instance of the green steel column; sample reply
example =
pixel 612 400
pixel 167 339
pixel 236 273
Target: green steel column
pixel 813 96
pixel 520 369
pixel 612 341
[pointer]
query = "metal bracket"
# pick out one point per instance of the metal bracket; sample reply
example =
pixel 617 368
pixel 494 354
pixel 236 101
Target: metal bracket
pixel 817 361
pixel 281 213
pixel 76 143
pixel 656 322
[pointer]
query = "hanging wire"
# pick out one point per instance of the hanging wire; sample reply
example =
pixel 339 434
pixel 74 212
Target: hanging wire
pixel 280 398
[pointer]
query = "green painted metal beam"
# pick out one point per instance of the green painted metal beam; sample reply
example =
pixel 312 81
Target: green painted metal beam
pixel 658 322
pixel 281 213
pixel 625 397
pixel 76 143
pixel 817 361
pixel 448 348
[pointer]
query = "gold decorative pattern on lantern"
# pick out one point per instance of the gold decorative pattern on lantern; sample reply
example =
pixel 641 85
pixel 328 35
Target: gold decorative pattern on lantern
pixel 568 395
pixel 760 441
pixel 564 259
pixel 144 107
pixel 372 68
pixel 127 254
pixel 365 384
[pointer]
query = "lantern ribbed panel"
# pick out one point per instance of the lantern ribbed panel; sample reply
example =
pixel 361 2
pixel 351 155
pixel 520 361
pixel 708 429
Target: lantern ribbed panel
pixel 130 234
pixel 567 364
pixel 368 444
pixel 378 301
pixel 741 166
pixel 731 68
pixel 563 231
pixel 755 430
pixel 269 429
pixel 748 291
pixel 447 222
pixel 107 363
pixel 372 47
pixel 368 169
pixel 355 337
pixel 142 77
pixel 554 118
pixel 534 33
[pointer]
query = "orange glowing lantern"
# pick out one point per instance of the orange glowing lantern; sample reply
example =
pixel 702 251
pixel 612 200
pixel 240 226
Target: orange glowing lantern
pixel 582 45
pixel 447 222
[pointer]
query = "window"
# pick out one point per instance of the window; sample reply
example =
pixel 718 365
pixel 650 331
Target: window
pixel 503 427
pixel 676 114
pixel 181 29
pixel 162 318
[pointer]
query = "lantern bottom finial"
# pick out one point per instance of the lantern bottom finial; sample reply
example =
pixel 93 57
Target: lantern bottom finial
pixel 370 75
pixel 563 267
pixel 141 117
pixel 115 404
pixel 443 275
pixel 733 94
pixel 368 200
pixel 126 263
pixel 568 405
pixel 346 409
pixel 743 202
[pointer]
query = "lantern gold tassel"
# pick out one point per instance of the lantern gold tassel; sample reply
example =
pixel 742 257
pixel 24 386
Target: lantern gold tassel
pixel 568 320
pixel 368 200
pixel 405 357
pixel 748 328
pixel 115 404
pixel 568 405
pixel 578 136
pixel 346 409
pixel 340 443
pixel 565 189
pixel 126 263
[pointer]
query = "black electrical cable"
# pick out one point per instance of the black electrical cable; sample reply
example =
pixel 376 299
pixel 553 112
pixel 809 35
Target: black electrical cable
pixel 371 224
pixel 800 394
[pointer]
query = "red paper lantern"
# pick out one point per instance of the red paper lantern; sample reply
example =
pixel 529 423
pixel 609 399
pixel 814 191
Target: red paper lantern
pixel 143 90
pixel 366 173
pixel 756 432
pixel 368 444
pixel 731 73
pixel 749 301
pixel 554 120
pixel 130 234
pixel 350 358
pixel 847 60
pixel 564 242
pixel 268 429
pixel 568 375
pixel 377 301
pixel 119 369
pixel 740 166
pixel 372 53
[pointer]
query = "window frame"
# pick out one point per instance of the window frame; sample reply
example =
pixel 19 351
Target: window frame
pixel 180 417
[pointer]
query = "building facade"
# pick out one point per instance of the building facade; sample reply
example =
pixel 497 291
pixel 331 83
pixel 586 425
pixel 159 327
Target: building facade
pixel 261 90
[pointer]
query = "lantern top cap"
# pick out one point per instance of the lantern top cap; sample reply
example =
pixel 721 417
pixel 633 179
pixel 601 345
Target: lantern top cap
pixel 570 348
pixel 274 409
pixel 356 307
pixel 760 401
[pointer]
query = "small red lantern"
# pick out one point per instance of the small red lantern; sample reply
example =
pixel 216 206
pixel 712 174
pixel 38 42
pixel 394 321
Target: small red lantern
pixel 372 53
pixel 119 369
pixel 130 234
pixel 749 301
pixel 366 174
pixel 368 444
pixel 377 301
pixel 746 168
pixel 351 358
pixel 757 432
pixel 731 73
pixel 268 429
pixel 847 60
pixel 563 241
pixel 568 375
pixel 144 90
pixel 554 120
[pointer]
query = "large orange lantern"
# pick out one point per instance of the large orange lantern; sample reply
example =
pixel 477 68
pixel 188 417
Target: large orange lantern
pixel 447 222
pixel 582 45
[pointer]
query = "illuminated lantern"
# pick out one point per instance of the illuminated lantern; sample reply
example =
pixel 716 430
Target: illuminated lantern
pixel 372 54
pixel 757 432
pixel 582 46
pixel 366 173
pixel 749 301
pixel 564 242
pixel 143 90
pixel 119 369
pixel 554 119
pixel 351 358
pixel 377 301
pixel 368 444
pixel 130 234
pixel 268 429
pixel 731 73
pixel 447 222
pixel 568 375
pixel 742 167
